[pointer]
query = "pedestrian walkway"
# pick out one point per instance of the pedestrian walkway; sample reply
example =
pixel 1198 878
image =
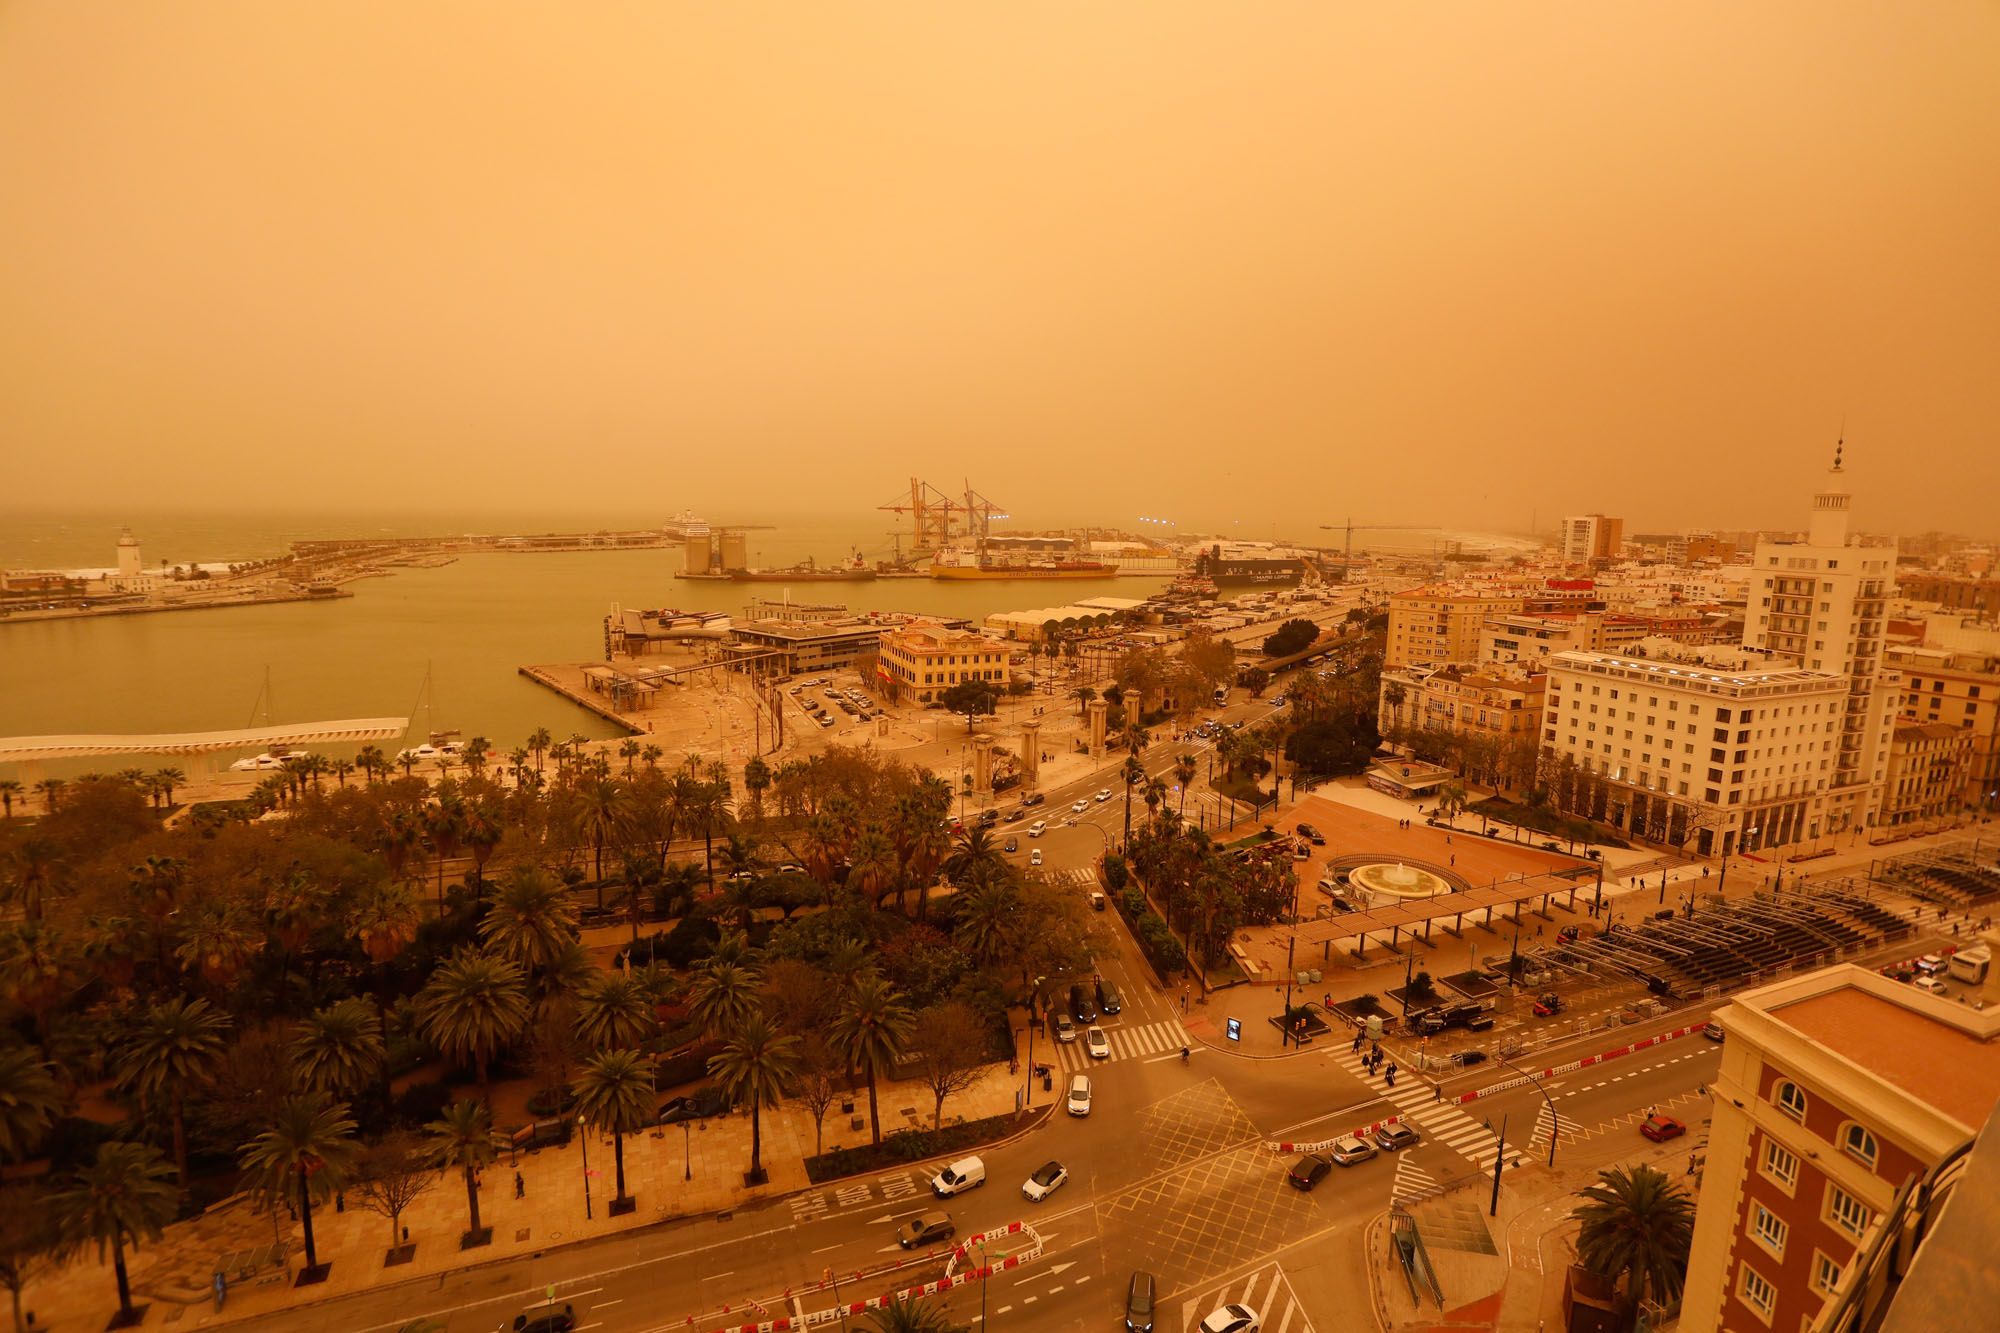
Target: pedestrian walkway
pixel 1417 1103
pixel 1412 1181
pixel 1266 1291
pixel 1127 1043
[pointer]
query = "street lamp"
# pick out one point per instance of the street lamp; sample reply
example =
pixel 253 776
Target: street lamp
pixel 1029 1100
pixel 687 1152
pixel 1555 1121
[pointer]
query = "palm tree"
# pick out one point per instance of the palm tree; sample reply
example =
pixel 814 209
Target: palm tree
pixel 50 790
pixel 385 920
pixel 29 1101
pixel 1185 768
pixel 873 865
pixel 628 750
pixel 370 761
pixel 444 826
pixel 754 1067
pixel 339 1050
pixel 1451 800
pixel 615 1013
pixel 9 789
pixel 173 1050
pixel 309 1147
pixel 1637 1224
pixel 910 1314
pixel 970 850
pixel 342 768
pixel 217 940
pixel 530 921
pixel 473 1006
pixel 874 1023
pixel 169 778
pixel 723 994
pixel 1134 774
pixel 603 809
pixel 121 1196
pixel 538 745
pixel 463 1137
pixel 614 1091
pixel 985 918
pixel 1083 694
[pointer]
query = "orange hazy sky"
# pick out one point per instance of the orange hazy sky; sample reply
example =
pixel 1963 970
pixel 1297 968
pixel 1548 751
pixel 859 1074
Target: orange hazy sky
pixel 1278 263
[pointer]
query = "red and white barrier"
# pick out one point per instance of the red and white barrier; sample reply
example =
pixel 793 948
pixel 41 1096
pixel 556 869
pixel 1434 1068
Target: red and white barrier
pixel 1361 1133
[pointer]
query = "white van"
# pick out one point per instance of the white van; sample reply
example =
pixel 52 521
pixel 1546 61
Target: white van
pixel 964 1174
pixel 1970 964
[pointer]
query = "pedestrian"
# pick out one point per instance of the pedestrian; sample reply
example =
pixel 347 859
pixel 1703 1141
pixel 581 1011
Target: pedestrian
pixel 1374 1049
pixel 1357 1044
pixel 1649 1113
pixel 520 1186
pixel 1390 1077
pixel 1438 1089
pixel 1454 858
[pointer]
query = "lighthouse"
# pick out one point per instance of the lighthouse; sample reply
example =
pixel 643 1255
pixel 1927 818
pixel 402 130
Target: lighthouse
pixel 129 563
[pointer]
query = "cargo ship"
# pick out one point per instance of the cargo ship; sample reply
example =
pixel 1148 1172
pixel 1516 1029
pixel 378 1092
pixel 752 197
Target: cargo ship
pixel 961 564
pixel 1240 571
pixel 806 571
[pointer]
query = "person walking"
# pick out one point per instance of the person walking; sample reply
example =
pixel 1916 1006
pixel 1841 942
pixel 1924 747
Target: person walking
pixel 520 1186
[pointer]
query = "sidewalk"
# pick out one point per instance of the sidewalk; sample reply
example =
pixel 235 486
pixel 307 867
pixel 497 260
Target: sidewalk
pixel 672 1173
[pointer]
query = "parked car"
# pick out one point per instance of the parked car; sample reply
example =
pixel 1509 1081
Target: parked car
pixel 924 1229
pixel 1231 1319
pixel 1351 1148
pixel 1390 1138
pixel 1048 1178
pixel 1660 1128
pixel 697 1105
pixel 1308 1171
pixel 1930 984
pixel 1079 1095
pixel 1139 1303
pixel 1108 999
pixel 1930 964
pixel 1097 1043
pixel 545 1318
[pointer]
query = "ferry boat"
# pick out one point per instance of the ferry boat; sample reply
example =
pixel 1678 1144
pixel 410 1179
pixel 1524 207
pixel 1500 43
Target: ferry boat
pixel 272 758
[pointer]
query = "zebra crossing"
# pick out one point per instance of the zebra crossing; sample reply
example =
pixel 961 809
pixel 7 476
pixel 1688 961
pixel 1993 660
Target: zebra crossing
pixel 1566 1129
pixel 1127 1043
pixel 1267 1291
pixel 1411 1179
pixel 1416 1103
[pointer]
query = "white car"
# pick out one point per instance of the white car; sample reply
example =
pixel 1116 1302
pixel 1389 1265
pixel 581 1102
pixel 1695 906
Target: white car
pixel 1232 1319
pixel 1931 984
pixel 1079 807
pixel 1104 793
pixel 1097 1044
pixel 1048 1178
pixel 1038 828
pixel 1079 1095
pixel 1035 857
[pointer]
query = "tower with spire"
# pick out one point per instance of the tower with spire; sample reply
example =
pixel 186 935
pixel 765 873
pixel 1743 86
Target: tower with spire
pixel 1823 602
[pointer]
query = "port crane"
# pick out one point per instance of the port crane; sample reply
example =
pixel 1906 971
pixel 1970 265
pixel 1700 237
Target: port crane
pixel 1350 527
pixel 933 511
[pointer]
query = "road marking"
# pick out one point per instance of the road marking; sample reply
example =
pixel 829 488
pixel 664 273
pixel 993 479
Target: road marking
pixel 615 1300
pixel 824 1248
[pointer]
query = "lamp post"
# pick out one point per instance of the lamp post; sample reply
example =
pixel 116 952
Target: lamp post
pixel 687 1152
pixel 1029 1100
pixel 1555 1121
pixel 1499 1156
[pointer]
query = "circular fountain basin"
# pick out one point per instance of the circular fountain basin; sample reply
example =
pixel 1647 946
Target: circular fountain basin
pixel 1395 882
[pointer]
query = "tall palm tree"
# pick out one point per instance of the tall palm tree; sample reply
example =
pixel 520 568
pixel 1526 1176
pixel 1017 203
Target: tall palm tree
pixel 1083 694
pixel 473 1005
pixel 1185 768
pixel 538 745
pixel 29 1100
pixel 463 1138
pixel 339 1049
pixel 50 790
pixel 170 778
pixel 615 1012
pixel 628 750
pixel 369 759
pixel 122 1196
pixel 1636 1224
pixel 309 1148
pixel 910 1314
pixel 755 1066
pixel 723 994
pixel 614 1091
pixel 385 919
pixel 603 809
pixel 444 827
pixel 530 921
pixel 970 850
pixel 1451 800
pixel 217 939
pixel 9 789
pixel 174 1049
pixel 874 1024
pixel 704 807
pixel 985 918
pixel 873 866
pixel 1134 774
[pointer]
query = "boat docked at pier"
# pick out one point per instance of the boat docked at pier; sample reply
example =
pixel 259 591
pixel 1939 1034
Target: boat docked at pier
pixel 273 758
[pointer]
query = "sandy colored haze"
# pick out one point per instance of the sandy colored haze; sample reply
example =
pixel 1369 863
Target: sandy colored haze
pixel 1458 262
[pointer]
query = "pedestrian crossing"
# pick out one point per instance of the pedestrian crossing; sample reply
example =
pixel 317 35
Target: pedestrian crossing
pixel 1411 1180
pixel 1127 1043
pixel 1267 1291
pixel 1567 1130
pixel 1417 1103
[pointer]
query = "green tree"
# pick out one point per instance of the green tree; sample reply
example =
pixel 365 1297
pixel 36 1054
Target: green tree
pixel 603 811
pixel 1451 800
pixel 462 1139
pixel 615 1012
pixel 910 1314
pixel 971 699
pixel 1294 636
pixel 530 921
pixel 29 1101
pixel 614 1091
pixel 472 1007
pixel 338 1050
pixel 171 1051
pixel 121 1197
pixel 1636 1224
pixel 1134 773
pixel 307 1152
pixel 754 1067
pixel 30 1242
pixel 873 1025
pixel 724 993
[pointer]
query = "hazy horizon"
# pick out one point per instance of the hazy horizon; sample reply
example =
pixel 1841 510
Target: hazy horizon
pixel 1262 269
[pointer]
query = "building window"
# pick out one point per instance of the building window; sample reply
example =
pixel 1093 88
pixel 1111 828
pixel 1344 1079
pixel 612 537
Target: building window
pixel 1860 1144
pixel 1825 1274
pixel 1757 1292
pixel 1769 1229
pixel 1845 1211
pixel 1791 1100
pixel 1780 1164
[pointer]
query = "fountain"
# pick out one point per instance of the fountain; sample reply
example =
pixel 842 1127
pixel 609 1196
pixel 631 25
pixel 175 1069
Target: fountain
pixel 1397 883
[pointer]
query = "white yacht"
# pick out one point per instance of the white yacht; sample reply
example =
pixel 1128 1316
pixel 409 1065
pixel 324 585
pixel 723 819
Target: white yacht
pixel 441 745
pixel 272 758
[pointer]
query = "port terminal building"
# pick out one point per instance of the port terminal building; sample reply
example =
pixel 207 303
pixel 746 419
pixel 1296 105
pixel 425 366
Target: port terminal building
pixel 1092 613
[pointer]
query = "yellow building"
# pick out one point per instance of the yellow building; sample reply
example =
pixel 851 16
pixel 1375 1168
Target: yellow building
pixel 1438 625
pixel 919 662
pixel 1927 766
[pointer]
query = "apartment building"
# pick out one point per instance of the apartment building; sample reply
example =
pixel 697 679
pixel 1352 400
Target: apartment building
pixel 1953 591
pixel 1926 773
pixel 1716 749
pixel 921 661
pixel 1838 1090
pixel 1823 602
pixel 1587 537
pixel 1534 638
pixel 1438 625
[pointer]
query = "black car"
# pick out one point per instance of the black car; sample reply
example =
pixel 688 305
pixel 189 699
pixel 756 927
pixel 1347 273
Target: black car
pixel 1312 834
pixel 548 1318
pixel 1108 998
pixel 1139 1304
pixel 1308 1171
pixel 539 1134
pixel 1081 1007
pixel 699 1105
pixel 1032 799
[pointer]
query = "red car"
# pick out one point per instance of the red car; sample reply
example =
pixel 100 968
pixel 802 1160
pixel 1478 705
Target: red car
pixel 1660 1128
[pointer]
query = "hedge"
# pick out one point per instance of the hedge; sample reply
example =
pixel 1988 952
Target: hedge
pixel 911 1145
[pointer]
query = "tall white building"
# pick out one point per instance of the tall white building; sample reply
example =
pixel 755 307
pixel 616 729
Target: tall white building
pixel 1587 537
pixel 1824 603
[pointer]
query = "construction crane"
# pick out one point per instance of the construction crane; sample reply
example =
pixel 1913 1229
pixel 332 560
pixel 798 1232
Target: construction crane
pixel 1350 526
pixel 932 511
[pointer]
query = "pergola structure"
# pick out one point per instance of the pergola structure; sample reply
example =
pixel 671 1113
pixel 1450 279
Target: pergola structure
pixel 1456 907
